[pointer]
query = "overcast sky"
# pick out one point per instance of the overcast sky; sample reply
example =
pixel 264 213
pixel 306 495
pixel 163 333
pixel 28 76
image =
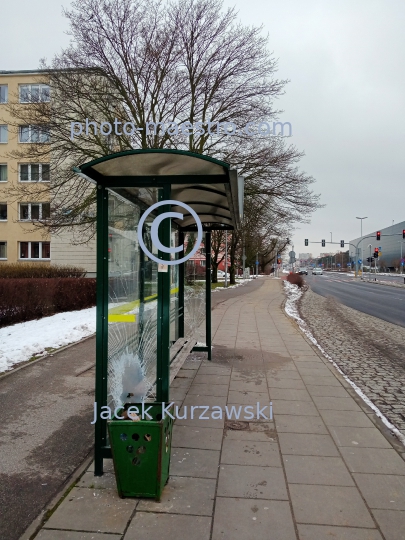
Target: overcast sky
pixel 346 98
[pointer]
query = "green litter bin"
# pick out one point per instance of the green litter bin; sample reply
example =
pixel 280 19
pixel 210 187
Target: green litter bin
pixel 141 451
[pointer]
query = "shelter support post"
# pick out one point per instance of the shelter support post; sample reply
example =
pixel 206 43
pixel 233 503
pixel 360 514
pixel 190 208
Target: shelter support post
pixel 101 327
pixel 208 292
pixel 163 320
pixel 182 267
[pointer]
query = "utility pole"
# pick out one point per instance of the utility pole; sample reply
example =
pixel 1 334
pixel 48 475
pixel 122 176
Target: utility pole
pixel 361 239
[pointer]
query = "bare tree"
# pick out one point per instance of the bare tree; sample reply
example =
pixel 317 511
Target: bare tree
pixel 150 64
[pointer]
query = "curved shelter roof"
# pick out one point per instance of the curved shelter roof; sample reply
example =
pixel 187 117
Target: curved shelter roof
pixel 209 186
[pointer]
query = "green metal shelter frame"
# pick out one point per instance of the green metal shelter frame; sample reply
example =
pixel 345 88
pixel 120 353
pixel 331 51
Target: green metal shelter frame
pixel 212 189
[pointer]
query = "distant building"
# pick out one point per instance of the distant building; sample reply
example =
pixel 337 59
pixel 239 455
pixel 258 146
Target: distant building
pixel 390 245
pixel 305 256
pixel 19 240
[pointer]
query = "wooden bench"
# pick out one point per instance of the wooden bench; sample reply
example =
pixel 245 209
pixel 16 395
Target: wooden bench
pixel 178 354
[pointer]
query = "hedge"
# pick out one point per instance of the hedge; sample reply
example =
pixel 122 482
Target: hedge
pixel 295 279
pixel 28 299
pixel 35 270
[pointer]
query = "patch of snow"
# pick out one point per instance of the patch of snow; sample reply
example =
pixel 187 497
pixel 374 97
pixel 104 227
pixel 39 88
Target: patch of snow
pixel 293 295
pixel 22 341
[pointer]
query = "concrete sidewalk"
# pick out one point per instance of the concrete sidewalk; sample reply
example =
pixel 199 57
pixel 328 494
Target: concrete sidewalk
pixel 322 469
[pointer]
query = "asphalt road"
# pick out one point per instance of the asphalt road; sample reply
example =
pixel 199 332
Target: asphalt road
pixel 386 303
pixel 45 433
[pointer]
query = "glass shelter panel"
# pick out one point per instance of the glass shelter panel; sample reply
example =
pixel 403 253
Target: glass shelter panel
pixel 195 292
pixel 132 305
pixel 174 290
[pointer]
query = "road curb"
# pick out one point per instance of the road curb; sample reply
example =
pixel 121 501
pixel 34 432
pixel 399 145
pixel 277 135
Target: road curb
pixel 35 527
pixel 28 363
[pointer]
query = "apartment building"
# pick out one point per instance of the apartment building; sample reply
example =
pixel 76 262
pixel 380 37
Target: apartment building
pixel 19 240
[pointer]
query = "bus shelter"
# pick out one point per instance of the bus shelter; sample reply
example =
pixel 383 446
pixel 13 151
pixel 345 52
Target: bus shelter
pixel 151 314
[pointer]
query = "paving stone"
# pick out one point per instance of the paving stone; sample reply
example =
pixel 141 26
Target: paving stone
pixel 330 380
pixel 336 403
pixel 196 422
pixel 155 526
pixel 251 482
pixel 183 495
pixel 329 505
pixel 317 470
pixel 382 491
pixel 285 383
pixel 194 462
pixel 300 408
pixel 208 389
pixel 265 454
pixel 346 419
pixel 98 510
pixel 72 535
pixel 211 379
pixel 211 401
pixel 268 435
pixel 289 394
pixel 256 385
pixel 373 460
pixel 321 371
pixel 88 480
pixel 239 519
pixel 304 444
pixel 247 375
pixel 214 370
pixel 108 466
pixel 248 397
pixel 328 391
pixel 204 438
pixel 181 383
pixel 262 412
pixel 323 532
pixel 361 437
pixel 283 374
pixel 286 423
pixel 391 522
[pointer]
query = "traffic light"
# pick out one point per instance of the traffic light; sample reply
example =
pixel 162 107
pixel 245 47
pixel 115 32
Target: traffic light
pixel 323 243
pixel 375 253
pixel 342 243
pixel 378 235
pixel 306 241
pixel 403 233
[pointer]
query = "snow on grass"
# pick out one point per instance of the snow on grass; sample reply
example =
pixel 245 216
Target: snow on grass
pixel 20 342
pixel 291 307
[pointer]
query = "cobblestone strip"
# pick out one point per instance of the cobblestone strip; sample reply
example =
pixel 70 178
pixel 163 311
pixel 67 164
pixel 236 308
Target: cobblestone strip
pixel 371 352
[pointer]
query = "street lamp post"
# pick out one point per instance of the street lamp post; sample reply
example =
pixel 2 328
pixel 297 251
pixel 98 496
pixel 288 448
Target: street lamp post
pixel 370 246
pixel 361 236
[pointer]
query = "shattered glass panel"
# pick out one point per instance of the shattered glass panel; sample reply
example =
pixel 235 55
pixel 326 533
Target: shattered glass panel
pixel 132 308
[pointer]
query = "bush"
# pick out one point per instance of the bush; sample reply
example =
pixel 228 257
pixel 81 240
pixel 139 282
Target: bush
pixel 35 270
pixel 27 299
pixel 295 279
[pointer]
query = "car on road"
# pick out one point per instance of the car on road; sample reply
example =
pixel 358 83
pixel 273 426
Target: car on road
pixel 303 270
pixel 221 274
pixel 317 272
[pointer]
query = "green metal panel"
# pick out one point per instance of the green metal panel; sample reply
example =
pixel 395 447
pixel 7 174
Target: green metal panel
pixel 101 327
pixel 141 453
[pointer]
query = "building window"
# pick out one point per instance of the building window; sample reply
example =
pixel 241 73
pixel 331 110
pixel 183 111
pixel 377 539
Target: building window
pixel 34 93
pixel 3 93
pixel 33 134
pixel 202 263
pixel 3 134
pixel 3 211
pixel 3 172
pixel 34 211
pixel 34 172
pixel 35 250
pixel 3 250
